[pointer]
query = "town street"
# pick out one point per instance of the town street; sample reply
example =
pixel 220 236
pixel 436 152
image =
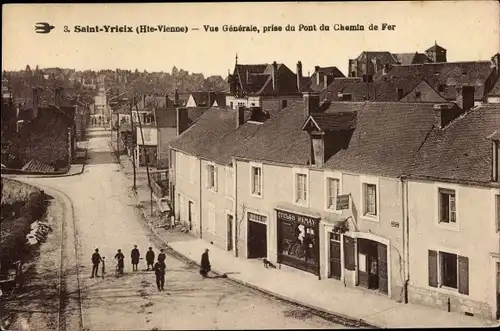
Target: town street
pixel 105 217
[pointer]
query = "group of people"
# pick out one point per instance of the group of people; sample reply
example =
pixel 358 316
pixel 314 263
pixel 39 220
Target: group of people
pixel 159 267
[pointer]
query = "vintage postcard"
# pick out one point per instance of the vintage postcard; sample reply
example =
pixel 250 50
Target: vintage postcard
pixel 272 165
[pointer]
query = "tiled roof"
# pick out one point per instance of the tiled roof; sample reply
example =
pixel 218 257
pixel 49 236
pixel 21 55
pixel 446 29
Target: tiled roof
pixel 460 151
pixel 214 136
pixel 167 117
pixel 435 47
pixel 495 91
pixel 450 75
pixel 386 137
pixel 36 166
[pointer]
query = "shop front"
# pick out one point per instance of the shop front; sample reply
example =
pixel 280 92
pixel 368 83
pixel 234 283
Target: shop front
pixel 298 241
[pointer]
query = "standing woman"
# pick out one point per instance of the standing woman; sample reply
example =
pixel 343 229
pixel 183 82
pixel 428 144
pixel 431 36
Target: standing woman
pixel 205 264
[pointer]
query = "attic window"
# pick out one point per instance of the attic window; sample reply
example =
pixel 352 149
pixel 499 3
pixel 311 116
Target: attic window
pixel 418 94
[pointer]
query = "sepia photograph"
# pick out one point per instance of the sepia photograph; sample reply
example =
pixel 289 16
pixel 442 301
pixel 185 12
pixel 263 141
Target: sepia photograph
pixel 250 165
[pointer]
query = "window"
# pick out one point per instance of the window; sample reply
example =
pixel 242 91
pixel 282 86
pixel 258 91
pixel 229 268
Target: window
pixel 449 270
pixel 370 199
pixel 497 214
pixel 212 177
pixel 256 180
pixel 333 189
pixel 447 206
pixel 441 88
pixel 301 188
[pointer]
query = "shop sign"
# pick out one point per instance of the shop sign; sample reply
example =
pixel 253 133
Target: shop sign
pixel 306 220
pixel 343 202
pixel 256 218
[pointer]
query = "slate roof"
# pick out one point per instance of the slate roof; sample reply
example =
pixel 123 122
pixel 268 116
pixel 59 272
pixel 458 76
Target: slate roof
pixel 412 58
pixel 435 47
pixel 385 140
pixel 495 91
pixel 460 151
pixel 167 117
pixel 379 90
pixel 214 135
pixel 384 57
pixel 260 79
pixel 448 74
pixel 202 98
pixel 335 121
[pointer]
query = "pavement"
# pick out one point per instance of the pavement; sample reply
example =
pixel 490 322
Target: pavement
pixel 101 213
pixel 353 306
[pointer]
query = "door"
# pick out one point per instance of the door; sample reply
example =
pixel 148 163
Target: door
pixel 229 232
pixel 190 217
pixel 363 263
pixel 382 269
pixel 257 240
pixel 335 260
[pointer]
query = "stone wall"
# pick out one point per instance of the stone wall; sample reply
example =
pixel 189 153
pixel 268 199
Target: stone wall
pixel 458 303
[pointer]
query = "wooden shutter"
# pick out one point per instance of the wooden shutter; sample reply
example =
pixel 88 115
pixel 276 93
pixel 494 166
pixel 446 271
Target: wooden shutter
pixel 463 275
pixel 433 269
pixel 216 178
pixel 383 277
pixel 349 253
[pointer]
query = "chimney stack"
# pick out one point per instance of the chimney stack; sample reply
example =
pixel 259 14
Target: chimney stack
pixel 465 97
pixel 311 103
pixel 325 81
pixel 182 120
pixel 144 100
pixel 318 77
pixel 275 77
pixel 444 113
pixel 240 116
pixel 299 76
pixel 176 98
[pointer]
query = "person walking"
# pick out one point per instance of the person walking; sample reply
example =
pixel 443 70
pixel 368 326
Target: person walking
pixel 150 258
pixel 162 257
pixel 205 264
pixel 120 257
pixel 96 259
pixel 135 255
pixel 160 269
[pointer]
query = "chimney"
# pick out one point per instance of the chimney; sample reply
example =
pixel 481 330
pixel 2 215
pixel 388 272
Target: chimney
pixel 182 120
pixel 167 101
pixel 247 76
pixel 318 77
pixel 325 81
pixel 144 100
pixel 240 116
pixel 176 98
pixel 465 97
pixel 209 94
pixel 275 77
pixel 311 103
pixel 444 113
pixel 299 75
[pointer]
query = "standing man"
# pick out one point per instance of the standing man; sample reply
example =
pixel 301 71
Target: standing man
pixel 120 257
pixel 159 269
pixel 205 264
pixel 96 259
pixel 135 255
pixel 162 256
pixel 150 258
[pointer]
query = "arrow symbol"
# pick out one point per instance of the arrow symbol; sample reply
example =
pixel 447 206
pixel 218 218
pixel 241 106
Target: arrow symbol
pixel 43 27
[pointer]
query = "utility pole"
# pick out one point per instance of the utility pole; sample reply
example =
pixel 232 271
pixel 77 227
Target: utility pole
pixel 147 164
pixel 132 129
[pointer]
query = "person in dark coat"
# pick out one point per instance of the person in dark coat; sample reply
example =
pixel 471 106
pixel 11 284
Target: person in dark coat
pixel 160 269
pixel 162 257
pixel 96 259
pixel 120 257
pixel 135 255
pixel 150 258
pixel 205 264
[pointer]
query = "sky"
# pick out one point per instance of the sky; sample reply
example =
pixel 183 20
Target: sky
pixel 469 30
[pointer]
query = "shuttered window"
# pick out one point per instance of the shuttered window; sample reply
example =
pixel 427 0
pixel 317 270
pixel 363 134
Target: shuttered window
pixel 370 196
pixel 349 253
pixel 433 269
pixel 463 275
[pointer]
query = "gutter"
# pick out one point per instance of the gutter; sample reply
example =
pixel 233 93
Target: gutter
pixel 406 237
pixel 235 207
pixel 200 216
